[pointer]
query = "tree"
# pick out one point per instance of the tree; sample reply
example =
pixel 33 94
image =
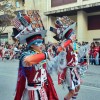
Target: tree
pixel 6 14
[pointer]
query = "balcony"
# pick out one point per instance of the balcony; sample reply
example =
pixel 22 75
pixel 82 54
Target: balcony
pixel 55 3
pixel 72 10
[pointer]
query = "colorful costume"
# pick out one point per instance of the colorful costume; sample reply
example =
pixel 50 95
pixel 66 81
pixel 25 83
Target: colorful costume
pixel 82 59
pixel 70 74
pixel 96 55
pixel 65 31
pixel 34 81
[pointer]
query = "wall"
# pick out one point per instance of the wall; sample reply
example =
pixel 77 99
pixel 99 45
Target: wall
pixel 82 33
pixel 45 5
pixel 93 34
pixel 78 3
pixel 9 31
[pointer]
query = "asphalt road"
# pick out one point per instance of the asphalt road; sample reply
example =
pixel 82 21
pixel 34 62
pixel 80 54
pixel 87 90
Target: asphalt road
pixel 90 89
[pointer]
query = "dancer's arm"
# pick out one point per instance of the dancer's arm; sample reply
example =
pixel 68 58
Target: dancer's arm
pixel 65 44
pixel 34 59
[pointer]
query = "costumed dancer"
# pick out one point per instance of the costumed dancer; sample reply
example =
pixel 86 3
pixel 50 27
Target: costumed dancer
pixel 82 66
pixel 68 74
pixel 96 53
pixel 34 81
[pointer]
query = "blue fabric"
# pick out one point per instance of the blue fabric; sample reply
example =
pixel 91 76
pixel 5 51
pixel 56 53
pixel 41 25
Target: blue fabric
pixel 74 46
pixel 97 59
pixel 35 42
pixel 21 67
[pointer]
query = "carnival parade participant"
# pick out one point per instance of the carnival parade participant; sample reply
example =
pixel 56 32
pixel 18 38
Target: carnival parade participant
pixel 96 54
pixel 34 81
pixel 69 73
pixel 83 62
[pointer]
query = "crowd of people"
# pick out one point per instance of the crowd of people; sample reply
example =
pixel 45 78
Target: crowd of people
pixel 11 51
pixel 94 54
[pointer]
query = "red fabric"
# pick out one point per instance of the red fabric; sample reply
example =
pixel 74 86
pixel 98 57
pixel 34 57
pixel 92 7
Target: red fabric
pixel 91 52
pixel 70 56
pixel 44 66
pixel 94 54
pixel 0 53
pixel 50 90
pixel 67 43
pixel 20 86
pixel 61 76
pixel 30 74
pixel 96 50
pixel 99 48
pixel 27 19
pixel 68 33
pixel 31 95
pixel 83 63
pixel 52 95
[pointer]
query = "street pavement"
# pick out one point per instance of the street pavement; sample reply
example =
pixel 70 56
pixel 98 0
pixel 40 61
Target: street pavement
pixel 90 88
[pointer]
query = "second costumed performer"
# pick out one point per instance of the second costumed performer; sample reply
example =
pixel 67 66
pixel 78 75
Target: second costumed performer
pixel 65 32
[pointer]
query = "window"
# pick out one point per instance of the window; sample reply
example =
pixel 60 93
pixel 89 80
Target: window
pixel 3 37
pixel 55 3
pixel 69 1
pixel 94 22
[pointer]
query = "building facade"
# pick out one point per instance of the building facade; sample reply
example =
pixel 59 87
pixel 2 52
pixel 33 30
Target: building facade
pixel 5 35
pixel 85 12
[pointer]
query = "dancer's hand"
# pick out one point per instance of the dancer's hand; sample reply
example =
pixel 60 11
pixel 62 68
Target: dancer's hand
pixel 27 62
pixel 73 37
pixel 62 45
